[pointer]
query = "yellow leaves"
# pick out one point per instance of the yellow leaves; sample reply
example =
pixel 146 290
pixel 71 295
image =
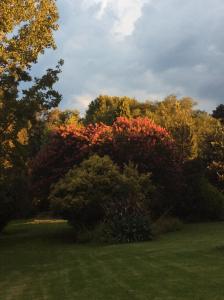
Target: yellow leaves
pixel 23 137
pixel 26 29
pixel 177 117
pixel 6 164
pixel 8 144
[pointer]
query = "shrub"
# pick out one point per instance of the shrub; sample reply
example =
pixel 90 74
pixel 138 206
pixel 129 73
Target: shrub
pixel 101 233
pixel 97 190
pixel 203 201
pixel 167 224
pixel 125 228
pixel 211 206
pixel 119 229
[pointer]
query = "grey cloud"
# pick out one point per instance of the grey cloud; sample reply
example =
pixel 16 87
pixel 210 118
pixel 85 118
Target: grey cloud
pixel 176 47
pixel 182 44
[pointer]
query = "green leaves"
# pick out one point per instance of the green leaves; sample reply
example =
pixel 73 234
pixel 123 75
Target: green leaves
pixel 98 191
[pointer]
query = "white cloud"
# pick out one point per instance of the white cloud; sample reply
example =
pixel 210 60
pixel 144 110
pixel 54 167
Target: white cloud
pixel 82 101
pixel 125 12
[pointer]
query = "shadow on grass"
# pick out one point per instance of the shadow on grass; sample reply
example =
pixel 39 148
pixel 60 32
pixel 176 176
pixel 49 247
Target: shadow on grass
pixel 220 248
pixel 23 233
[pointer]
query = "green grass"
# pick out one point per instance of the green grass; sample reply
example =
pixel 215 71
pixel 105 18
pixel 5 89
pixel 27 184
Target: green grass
pixel 41 261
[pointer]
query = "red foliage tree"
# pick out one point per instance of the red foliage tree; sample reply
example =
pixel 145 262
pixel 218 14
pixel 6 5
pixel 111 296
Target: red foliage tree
pixel 152 149
pixel 68 146
pixel 138 140
pixel 143 142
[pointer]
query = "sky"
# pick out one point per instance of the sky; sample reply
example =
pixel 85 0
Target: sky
pixel 147 49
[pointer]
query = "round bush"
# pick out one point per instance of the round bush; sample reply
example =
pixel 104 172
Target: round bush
pixel 97 190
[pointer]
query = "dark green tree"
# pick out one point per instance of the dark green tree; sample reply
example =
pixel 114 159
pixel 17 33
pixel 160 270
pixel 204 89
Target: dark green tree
pixel 218 113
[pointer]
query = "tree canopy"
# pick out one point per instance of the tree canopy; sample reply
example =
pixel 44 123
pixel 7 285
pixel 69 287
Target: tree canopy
pixel 26 29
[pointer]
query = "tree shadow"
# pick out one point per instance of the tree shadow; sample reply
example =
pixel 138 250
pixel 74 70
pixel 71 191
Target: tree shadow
pixel 25 233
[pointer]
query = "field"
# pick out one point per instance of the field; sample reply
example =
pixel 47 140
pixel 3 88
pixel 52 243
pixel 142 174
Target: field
pixel 41 261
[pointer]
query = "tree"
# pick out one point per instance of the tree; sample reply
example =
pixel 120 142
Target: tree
pixel 214 157
pixel 188 127
pixel 26 29
pixel 139 140
pixel 20 116
pixel 67 146
pixel 177 117
pixel 107 108
pixel 218 113
pixel 56 117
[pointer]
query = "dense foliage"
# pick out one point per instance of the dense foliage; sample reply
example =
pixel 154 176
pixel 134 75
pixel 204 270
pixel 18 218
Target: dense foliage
pixel 202 201
pixel 106 109
pixel 214 157
pixel 138 140
pixel 218 113
pixel 97 191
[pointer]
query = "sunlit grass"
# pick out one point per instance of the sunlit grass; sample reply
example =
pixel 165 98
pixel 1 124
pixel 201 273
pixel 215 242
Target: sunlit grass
pixel 47 221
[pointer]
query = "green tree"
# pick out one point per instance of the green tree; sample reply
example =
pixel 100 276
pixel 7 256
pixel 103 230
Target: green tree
pixel 218 113
pixel 20 117
pixel 26 29
pixel 189 127
pixel 106 109
pixel 214 157
pixel 177 117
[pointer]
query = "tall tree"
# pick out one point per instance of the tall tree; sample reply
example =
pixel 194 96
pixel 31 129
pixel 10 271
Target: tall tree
pixel 26 29
pixel 177 117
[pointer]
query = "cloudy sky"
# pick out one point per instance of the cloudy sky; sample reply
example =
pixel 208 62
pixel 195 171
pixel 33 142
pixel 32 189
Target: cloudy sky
pixel 145 49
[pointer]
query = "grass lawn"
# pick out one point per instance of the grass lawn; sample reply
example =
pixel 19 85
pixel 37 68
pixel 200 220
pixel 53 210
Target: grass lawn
pixel 40 261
